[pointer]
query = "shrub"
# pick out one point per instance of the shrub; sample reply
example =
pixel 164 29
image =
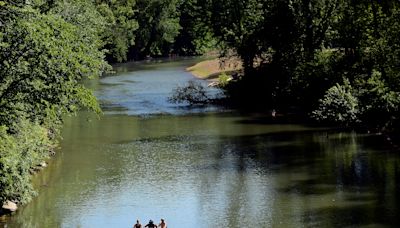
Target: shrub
pixel 223 80
pixel 338 105
pixel 19 152
pixel 380 101
pixel 44 58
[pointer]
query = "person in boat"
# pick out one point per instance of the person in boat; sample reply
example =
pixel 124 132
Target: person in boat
pixel 162 224
pixel 137 225
pixel 151 224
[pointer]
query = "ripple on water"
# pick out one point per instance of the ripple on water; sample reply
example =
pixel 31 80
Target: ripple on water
pixel 146 91
pixel 208 169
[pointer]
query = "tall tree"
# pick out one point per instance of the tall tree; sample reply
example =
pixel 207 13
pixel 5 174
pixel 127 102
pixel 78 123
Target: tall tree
pixel 195 36
pixel 158 27
pixel 238 24
pixel 43 58
pixel 122 27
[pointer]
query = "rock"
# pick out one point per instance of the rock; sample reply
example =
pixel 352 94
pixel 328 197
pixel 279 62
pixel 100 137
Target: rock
pixel 43 164
pixel 35 169
pixel 52 152
pixel 9 206
pixel 213 84
pixel 32 171
pixel 273 113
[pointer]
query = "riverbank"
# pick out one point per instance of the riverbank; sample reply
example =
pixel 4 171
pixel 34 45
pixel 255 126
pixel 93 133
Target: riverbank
pixel 10 206
pixel 211 69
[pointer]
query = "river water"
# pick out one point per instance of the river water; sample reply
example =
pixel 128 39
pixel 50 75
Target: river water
pixel 205 167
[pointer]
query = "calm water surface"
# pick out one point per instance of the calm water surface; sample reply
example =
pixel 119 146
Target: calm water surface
pixel 148 159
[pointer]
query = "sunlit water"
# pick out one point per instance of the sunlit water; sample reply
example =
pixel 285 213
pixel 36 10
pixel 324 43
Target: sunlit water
pixel 143 88
pixel 206 168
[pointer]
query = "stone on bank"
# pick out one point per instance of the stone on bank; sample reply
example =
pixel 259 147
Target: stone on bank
pixel 9 207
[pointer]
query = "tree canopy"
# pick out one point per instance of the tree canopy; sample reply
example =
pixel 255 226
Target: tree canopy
pixel 296 51
pixel 335 60
pixel 44 57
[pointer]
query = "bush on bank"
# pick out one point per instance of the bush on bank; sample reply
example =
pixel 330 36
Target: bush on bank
pixel 44 57
pixel 20 151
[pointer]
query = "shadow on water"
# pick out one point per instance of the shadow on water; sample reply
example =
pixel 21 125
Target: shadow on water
pixel 350 216
pixel 359 179
pixel 273 176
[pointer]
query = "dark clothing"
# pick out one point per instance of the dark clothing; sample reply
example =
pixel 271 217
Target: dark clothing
pixel 151 225
pixel 137 226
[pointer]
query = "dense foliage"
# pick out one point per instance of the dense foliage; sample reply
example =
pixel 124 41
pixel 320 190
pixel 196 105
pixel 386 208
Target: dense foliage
pixel 195 36
pixel 296 52
pixel 139 29
pixel 25 148
pixel 338 60
pixel 44 56
pixel 122 25
pixel 48 47
pixel 338 105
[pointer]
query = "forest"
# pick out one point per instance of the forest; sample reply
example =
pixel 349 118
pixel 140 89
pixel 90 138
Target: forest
pixel 335 61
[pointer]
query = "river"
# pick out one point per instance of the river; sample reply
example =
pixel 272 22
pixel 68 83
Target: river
pixel 206 167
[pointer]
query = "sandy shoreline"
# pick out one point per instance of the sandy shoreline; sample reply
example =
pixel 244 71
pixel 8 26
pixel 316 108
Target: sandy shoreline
pixel 211 69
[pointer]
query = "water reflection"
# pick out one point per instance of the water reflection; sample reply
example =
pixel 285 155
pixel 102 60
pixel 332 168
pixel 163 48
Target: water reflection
pixel 143 88
pixel 210 169
pixel 214 170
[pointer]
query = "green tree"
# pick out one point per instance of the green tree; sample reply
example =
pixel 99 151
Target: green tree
pixel 238 25
pixel 19 152
pixel 158 27
pixel 195 36
pixel 122 26
pixel 338 105
pixel 43 58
